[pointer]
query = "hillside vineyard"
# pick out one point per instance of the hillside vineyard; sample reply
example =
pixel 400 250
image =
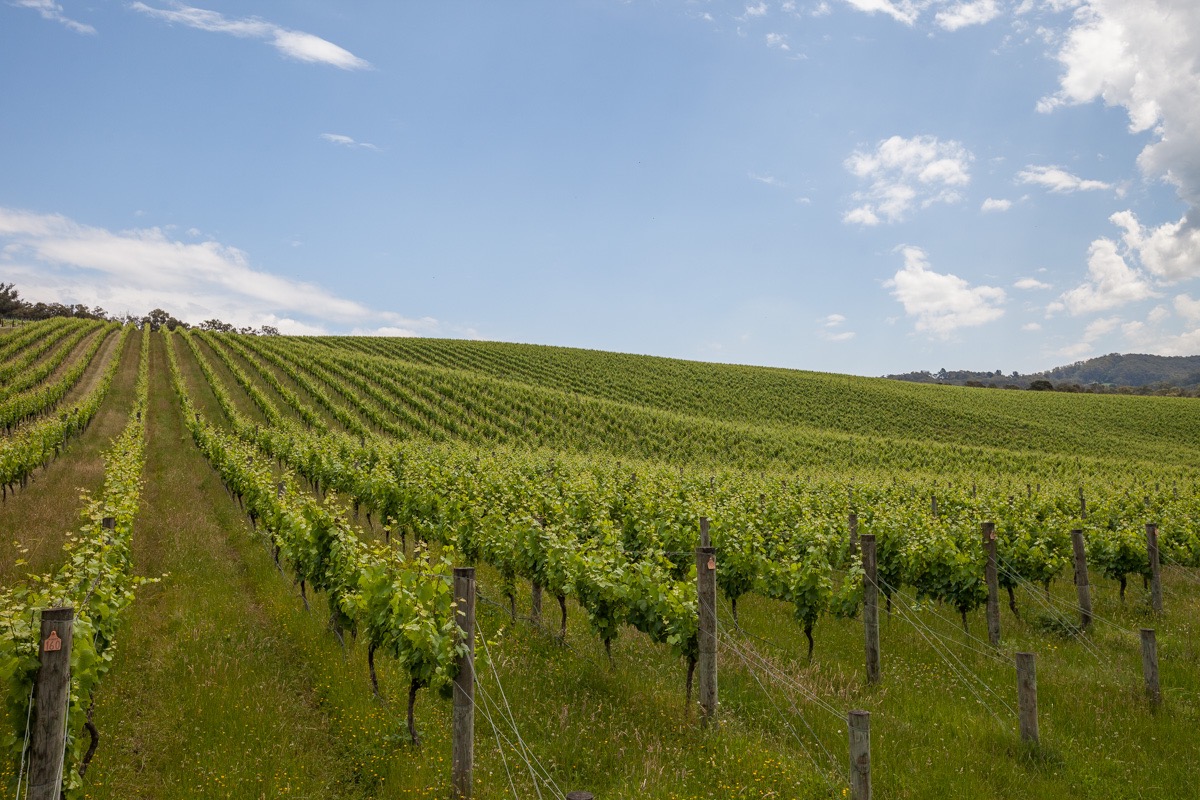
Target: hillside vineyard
pixel 367 469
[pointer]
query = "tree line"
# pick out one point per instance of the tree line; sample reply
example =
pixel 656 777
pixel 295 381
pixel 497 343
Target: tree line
pixel 12 307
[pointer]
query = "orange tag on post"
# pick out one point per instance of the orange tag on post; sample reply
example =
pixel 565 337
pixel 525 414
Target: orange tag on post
pixel 712 563
pixel 53 642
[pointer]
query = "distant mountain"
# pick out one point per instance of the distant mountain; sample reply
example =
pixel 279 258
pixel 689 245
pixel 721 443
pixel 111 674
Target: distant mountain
pixel 1134 373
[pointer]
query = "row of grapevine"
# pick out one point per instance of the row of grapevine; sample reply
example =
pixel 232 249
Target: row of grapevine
pixel 96 580
pixel 31 445
pixel 521 537
pixel 402 607
pixel 40 397
pixel 24 370
pixel 30 334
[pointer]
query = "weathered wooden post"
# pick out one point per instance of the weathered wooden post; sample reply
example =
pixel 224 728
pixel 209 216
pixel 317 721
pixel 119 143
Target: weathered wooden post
pixel 1155 577
pixel 870 606
pixel 1027 697
pixel 853 533
pixel 1150 666
pixel 860 755
pixel 1083 592
pixel 706 663
pixel 705 540
pixel 52 694
pixel 462 757
pixel 993 583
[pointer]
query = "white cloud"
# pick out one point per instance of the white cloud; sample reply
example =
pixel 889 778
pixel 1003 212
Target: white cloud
pixel 942 303
pixel 1111 282
pixel 904 172
pixel 964 14
pixel 1031 283
pixel 778 40
pixel 54 12
pixel 1058 180
pixel 136 270
pixel 346 141
pixel 1094 330
pixel 769 180
pixel 904 11
pixel 757 10
pixel 293 44
pixel 829 329
pixel 1140 55
pixel 992 204
pixel 1170 252
pixel 1187 308
pixel 823 9
pixel 1031 327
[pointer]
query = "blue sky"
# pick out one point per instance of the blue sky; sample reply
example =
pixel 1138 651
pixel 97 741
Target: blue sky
pixel 858 186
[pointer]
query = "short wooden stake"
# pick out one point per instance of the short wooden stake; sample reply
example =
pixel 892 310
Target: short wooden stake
pixel 52 694
pixel 462 755
pixel 1027 697
pixel 870 606
pixel 993 583
pixel 1082 504
pixel 1083 591
pixel 860 755
pixel 705 539
pixel 1155 577
pixel 1150 666
pixel 853 533
pixel 706 663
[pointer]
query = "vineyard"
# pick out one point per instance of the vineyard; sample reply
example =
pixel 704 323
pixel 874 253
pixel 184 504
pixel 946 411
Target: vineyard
pixel 261 572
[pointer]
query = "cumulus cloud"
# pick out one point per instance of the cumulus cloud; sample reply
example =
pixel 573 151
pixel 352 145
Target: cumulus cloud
pixel 54 12
pixel 1187 308
pixel 346 141
pixel 942 303
pixel 1058 180
pixel 992 204
pixel 904 173
pixel 1111 282
pixel 293 44
pixel 1140 55
pixel 1170 252
pixel 964 14
pixel 137 270
pixel 1031 283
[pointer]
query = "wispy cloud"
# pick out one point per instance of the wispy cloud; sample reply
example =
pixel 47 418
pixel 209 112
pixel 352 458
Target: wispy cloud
pixel 992 205
pixel 136 270
pixel 831 329
pixel 297 45
pixel 346 141
pixel 903 11
pixel 1031 283
pixel 1058 180
pixel 769 180
pixel 904 173
pixel 54 12
pixel 942 303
